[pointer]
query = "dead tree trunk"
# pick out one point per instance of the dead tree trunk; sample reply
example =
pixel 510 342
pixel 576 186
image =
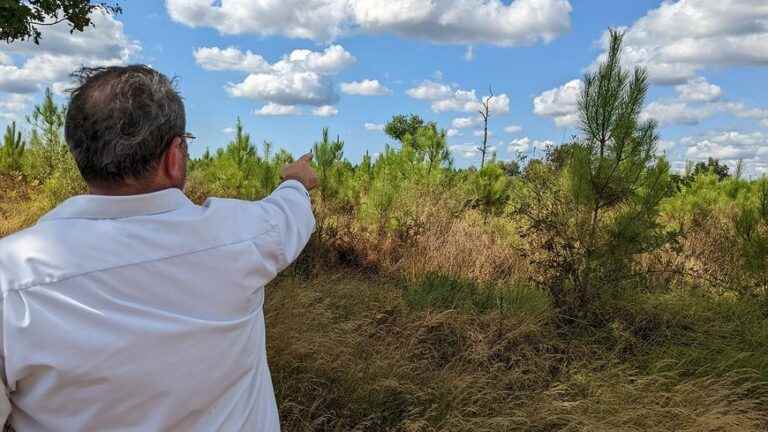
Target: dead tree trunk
pixel 485 114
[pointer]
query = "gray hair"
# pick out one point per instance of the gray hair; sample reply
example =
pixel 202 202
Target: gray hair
pixel 121 120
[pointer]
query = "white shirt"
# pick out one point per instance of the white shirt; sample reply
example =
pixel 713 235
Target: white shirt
pixel 144 312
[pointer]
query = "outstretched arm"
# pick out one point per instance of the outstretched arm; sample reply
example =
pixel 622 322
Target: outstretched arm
pixel 290 208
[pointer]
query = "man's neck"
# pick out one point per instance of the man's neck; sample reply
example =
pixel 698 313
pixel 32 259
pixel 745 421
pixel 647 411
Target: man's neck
pixel 128 188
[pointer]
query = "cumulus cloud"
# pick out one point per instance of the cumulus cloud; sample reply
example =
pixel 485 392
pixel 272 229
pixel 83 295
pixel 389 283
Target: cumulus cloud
pixel 231 58
pixel 27 68
pixel 446 98
pixel 365 88
pixel 299 78
pixel 696 101
pixel 728 146
pixel 452 133
pixel 325 111
pixel 561 103
pixel 699 90
pixel 681 112
pixel 512 129
pixel 430 90
pixel 13 104
pixel 466 122
pixel 679 38
pixel 273 109
pixel 469 151
pixel 676 113
pixel 524 145
pixel 374 126
pixel 521 22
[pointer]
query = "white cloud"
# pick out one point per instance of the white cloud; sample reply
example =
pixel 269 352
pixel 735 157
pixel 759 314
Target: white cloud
pixel 325 111
pixel 228 130
pixel 465 122
pixel 305 88
pixel 728 146
pixel 679 38
pixel 231 58
pixel 299 78
pixel 512 129
pixel 561 103
pixel 679 112
pixel 430 90
pixel 452 133
pixel 739 109
pixel 446 98
pixel 676 113
pixel 13 105
pixel 524 145
pixel 521 22
pixel 469 54
pixel 469 151
pixel 321 20
pixel 374 126
pixel 273 109
pixel 365 88
pixel 699 90
pixel 479 133
pixel 61 52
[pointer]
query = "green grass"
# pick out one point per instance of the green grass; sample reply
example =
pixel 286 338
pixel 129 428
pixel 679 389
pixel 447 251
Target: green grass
pixel 440 291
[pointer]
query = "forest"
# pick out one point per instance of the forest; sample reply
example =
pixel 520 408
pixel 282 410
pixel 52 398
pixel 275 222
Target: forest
pixel 590 289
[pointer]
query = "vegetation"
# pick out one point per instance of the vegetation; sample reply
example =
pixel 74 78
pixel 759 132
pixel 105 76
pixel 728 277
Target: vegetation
pixel 20 20
pixel 590 290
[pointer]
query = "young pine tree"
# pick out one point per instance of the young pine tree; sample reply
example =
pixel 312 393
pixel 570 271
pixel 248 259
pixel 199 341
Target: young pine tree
pixel 327 155
pixel 240 149
pixel 12 151
pixel 605 201
pixel 47 149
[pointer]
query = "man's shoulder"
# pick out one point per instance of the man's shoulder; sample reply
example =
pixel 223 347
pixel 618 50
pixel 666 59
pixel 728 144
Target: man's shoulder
pixel 13 244
pixel 19 250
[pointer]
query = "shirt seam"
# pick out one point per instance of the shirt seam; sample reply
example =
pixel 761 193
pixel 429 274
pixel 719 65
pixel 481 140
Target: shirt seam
pixel 34 284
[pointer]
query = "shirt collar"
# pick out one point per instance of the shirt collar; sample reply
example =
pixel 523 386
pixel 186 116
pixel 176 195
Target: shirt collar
pixel 116 207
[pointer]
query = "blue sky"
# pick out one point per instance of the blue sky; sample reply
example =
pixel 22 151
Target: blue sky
pixel 707 60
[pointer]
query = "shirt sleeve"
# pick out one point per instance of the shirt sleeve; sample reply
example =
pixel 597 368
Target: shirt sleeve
pixel 290 209
pixel 5 402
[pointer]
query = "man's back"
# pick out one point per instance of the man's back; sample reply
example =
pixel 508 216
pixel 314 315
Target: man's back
pixel 145 312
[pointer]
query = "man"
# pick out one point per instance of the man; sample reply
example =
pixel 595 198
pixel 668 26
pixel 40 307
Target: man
pixel 131 308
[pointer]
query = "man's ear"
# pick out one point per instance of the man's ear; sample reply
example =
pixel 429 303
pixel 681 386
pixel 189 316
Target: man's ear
pixel 175 162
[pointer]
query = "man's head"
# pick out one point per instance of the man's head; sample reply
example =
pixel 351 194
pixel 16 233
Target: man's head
pixel 126 130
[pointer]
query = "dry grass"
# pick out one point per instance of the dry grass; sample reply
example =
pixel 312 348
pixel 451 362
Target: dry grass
pixel 468 247
pixel 620 399
pixel 17 208
pixel 348 354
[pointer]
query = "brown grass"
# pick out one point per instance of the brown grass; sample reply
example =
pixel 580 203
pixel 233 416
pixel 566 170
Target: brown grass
pixel 17 208
pixel 467 247
pixel 348 354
